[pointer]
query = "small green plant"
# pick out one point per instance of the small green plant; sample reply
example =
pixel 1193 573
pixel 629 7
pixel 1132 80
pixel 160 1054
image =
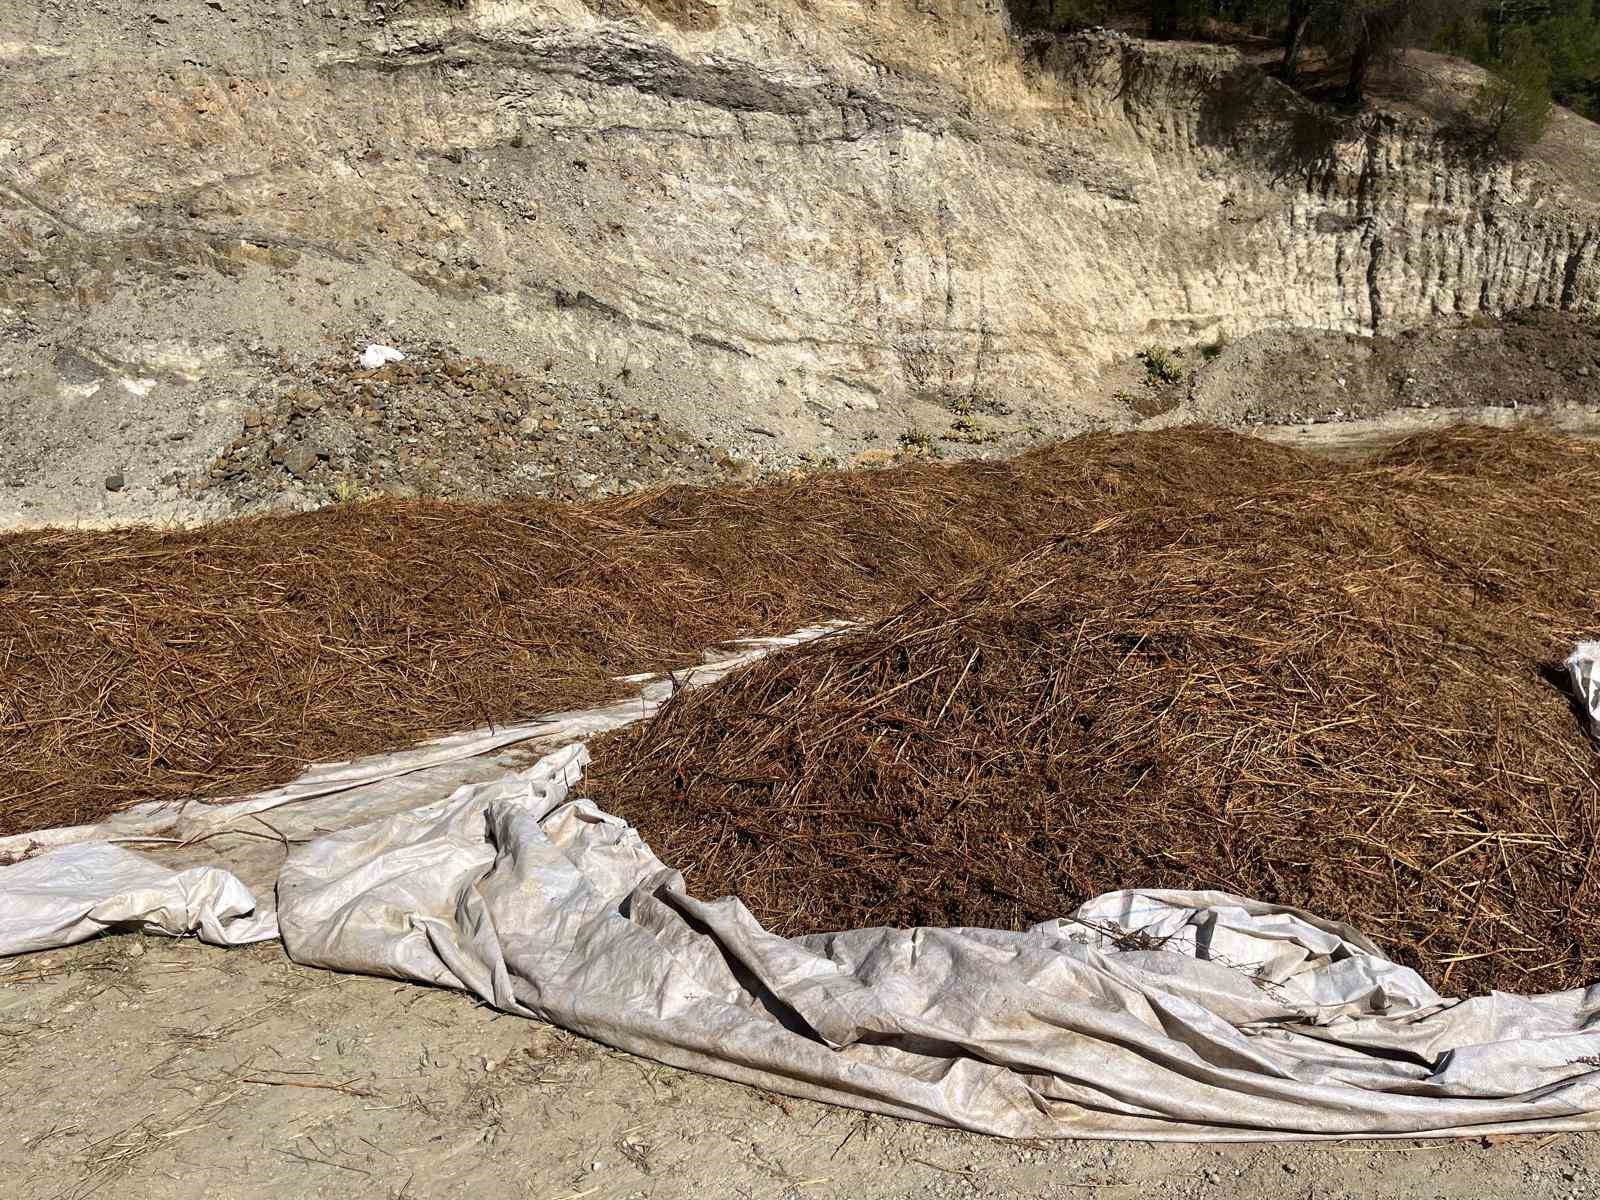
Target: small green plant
pixel 969 432
pixel 1515 103
pixel 347 491
pixel 816 464
pixel 1161 365
pixel 918 443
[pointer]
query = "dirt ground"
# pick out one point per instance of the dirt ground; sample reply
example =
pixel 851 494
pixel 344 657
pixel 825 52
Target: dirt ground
pixel 1535 364
pixel 190 432
pixel 157 1069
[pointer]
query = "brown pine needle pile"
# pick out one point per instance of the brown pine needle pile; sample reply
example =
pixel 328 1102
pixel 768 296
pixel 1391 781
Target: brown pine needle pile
pixel 1184 659
pixel 142 664
pixel 1339 690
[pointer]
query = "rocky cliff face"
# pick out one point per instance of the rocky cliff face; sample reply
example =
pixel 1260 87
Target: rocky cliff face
pixel 1378 222
pixel 801 217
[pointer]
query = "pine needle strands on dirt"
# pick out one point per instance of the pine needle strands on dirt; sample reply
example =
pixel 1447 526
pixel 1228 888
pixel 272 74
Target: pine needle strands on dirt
pixel 149 665
pixel 1340 692
pixel 1176 660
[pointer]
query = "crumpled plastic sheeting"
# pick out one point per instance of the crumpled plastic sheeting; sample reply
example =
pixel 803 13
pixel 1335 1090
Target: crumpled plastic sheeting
pixel 376 356
pixel 78 892
pixel 1220 1019
pixel 1583 666
pixel 1223 1019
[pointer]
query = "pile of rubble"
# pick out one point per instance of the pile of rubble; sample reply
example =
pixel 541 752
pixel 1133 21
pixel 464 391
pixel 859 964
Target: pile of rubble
pixel 436 425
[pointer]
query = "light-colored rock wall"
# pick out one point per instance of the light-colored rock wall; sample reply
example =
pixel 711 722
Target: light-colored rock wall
pixel 784 206
pixel 1375 222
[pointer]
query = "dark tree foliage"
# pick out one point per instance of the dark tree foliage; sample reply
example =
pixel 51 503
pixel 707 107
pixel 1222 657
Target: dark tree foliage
pixel 1370 32
pixel 1358 36
pixel 1164 16
pixel 1515 104
pixel 1564 35
pixel 1297 22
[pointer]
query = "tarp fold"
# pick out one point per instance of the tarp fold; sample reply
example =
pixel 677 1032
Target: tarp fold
pixel 1164 1015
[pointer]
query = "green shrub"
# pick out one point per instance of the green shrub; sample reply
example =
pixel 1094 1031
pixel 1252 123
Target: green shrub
pixel 1161 365
pixel 1515 104
pixel 919 443
pixel 969 432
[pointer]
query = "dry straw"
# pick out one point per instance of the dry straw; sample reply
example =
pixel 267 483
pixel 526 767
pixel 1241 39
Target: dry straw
pixel 1184 659
pixel 1339 691
pixel 144 664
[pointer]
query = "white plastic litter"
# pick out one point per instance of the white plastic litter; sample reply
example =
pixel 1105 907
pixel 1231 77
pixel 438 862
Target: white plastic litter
pixel 375 356
pixel 1583 665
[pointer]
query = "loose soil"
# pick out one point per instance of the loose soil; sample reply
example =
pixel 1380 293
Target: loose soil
pixel 439 424
pixel 1535 361
pixel 184 1072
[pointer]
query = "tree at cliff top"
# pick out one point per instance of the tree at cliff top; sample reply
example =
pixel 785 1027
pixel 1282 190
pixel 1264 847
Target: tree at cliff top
pixel 1296 25
pixel 1160 19
pixel 1515 104
pixel 1564 33
pixel 1363 34
pixel 1358 36
pixel 1368 33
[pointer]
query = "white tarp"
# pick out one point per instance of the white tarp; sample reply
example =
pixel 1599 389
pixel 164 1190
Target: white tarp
pixel 547 907
pixel 78 892
pixel 447 864
pixel 1583 666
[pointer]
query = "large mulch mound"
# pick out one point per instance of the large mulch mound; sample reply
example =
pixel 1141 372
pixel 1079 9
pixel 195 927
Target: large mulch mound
pixel 145 664
pixel 1338 689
